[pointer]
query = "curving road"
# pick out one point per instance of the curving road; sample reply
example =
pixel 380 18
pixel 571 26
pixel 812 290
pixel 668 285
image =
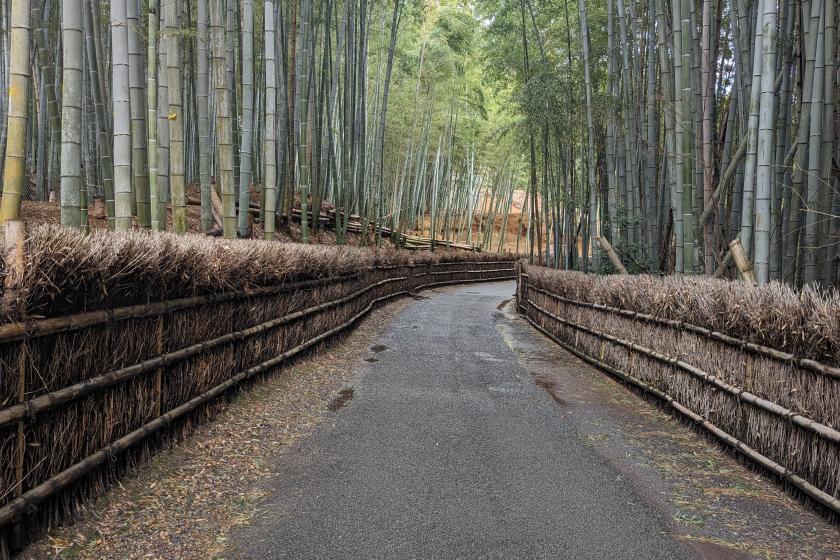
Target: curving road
pixel 449 450
pixel 467 435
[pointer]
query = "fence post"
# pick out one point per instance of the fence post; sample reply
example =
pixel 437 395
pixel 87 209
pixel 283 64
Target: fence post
pixel 748 372
pixel 518 272
pixel 14 234
pixel 743 426
pixel 525 301
pixel 158 371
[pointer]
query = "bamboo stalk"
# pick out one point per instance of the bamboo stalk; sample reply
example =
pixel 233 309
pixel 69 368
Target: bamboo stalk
pixel 14 166
pixel 614 259
pixel 742 262
pixel 155 214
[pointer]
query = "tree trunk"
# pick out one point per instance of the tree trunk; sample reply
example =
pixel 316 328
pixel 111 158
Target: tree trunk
pixel 14 164
pixel 151 121
pixel 270 141
pixel 176 118
pixel 139 159
pixel 122 115
pixel 247 116
pixel 224 133
pixel 71 115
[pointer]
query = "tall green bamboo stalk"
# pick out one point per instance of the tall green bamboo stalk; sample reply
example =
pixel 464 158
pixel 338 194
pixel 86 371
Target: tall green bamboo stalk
pixel 151 121
pixel 247 116
pixel 224 132
pixel 176 116
pixel 123 196
pixel 71 115
pixel 270 141
pixel 14 163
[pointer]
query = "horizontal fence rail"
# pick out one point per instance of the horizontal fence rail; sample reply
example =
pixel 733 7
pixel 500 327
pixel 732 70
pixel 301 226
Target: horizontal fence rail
pixel 745 394
pixel 165 363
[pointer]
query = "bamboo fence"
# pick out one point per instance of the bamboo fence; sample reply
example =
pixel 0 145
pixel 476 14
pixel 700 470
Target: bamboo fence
pixel 87 395
pixel 775 408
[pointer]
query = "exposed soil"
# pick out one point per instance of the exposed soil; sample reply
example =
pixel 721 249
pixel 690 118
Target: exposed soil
pixel 36 212
pixel 344 397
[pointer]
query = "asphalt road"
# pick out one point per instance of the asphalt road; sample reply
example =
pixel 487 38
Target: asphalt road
pixel 447 448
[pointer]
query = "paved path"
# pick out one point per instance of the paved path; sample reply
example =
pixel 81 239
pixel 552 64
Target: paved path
pixel 448 449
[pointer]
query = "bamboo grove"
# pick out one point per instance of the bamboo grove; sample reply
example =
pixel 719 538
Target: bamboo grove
pixel 675 128
pixel 265 108
pixel 690 136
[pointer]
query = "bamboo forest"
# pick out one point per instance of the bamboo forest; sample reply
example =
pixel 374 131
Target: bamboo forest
pixel 352 279
pixel 646 136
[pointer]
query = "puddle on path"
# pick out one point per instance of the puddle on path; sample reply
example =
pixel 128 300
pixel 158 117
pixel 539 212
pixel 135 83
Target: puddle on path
pixel 504 303
pixel 378 348
pixel 371 360
pixel 550 387
pixel 344 397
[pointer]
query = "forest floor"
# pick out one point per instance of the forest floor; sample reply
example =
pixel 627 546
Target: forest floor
pixel 445 427
pixel 36 212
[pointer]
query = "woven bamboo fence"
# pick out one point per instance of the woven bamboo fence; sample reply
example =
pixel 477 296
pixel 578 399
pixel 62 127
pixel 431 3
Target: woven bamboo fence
pixel 777 407
pixel 94 380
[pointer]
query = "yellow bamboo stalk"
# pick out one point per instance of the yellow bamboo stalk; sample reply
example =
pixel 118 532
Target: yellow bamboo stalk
pixel 742 262
pixel 607 248
pixel 14 170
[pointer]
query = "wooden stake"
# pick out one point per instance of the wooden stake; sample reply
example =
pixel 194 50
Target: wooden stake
pixel 159 371
pixel 14 234
pixel 748 373
pixel 21 442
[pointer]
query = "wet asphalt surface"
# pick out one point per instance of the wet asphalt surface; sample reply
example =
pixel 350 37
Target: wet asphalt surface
pixel 445 447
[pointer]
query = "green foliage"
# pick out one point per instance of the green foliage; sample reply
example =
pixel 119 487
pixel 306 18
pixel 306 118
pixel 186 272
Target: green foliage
pixel 448 40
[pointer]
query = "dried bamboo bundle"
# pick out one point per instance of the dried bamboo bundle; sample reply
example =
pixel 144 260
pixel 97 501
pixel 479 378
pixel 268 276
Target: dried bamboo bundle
pixel 161 326
pixel 779 409
pixel 69 272
pixel 806 323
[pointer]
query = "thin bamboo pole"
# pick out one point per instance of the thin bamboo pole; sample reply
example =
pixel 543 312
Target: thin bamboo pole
pixel 151 121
